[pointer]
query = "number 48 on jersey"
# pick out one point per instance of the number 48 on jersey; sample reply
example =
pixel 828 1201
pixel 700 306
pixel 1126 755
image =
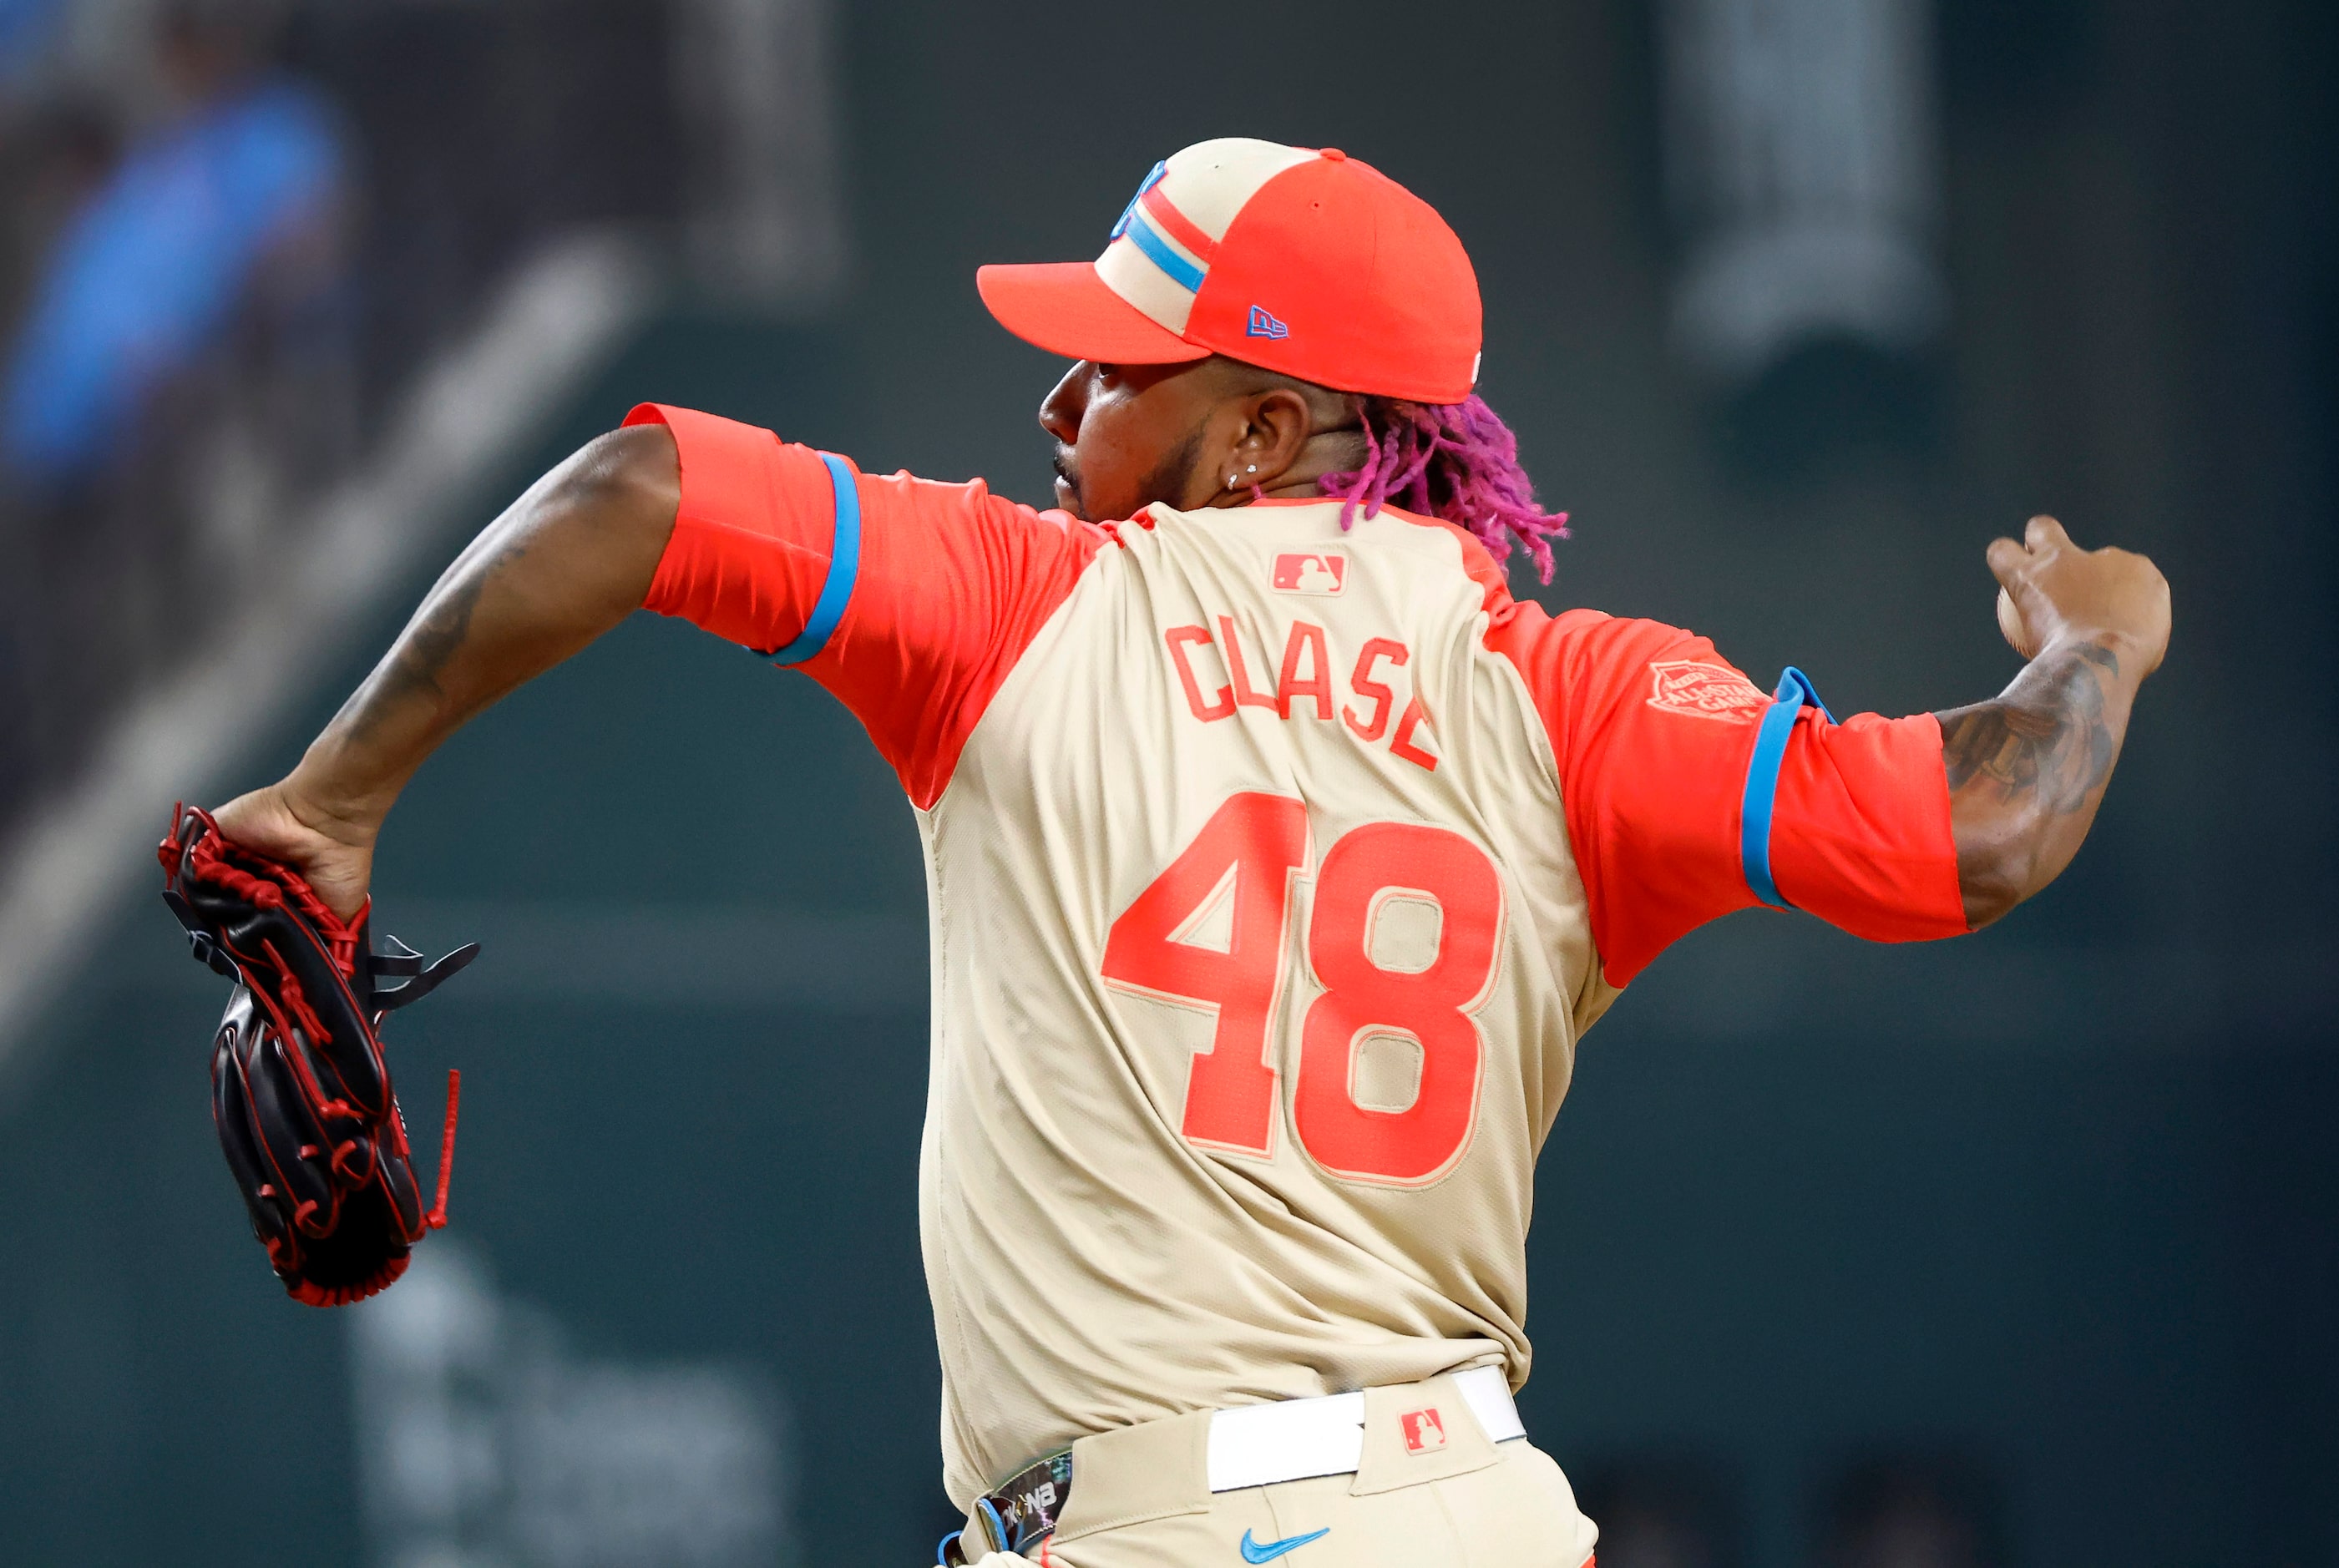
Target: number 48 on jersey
pixel 1259 844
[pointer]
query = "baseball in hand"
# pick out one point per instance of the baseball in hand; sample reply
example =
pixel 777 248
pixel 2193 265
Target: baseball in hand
pixel 2009 621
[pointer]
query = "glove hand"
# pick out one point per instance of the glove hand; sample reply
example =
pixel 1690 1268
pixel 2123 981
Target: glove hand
pixel 300 1093
pixel 336 858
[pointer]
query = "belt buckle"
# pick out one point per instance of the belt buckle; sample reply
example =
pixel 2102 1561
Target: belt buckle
pixel 1023 1511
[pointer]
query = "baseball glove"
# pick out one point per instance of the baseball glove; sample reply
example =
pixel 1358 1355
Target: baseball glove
pixel 300 1092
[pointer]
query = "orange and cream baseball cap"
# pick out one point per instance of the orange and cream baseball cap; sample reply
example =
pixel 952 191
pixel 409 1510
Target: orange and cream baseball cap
pixel 1298 260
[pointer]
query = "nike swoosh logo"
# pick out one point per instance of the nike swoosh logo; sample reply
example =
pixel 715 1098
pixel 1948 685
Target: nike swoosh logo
pixel 1268 1552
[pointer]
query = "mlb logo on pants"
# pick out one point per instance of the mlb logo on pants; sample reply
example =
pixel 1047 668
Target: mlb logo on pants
pixel 1423 1433
pixel 1310 572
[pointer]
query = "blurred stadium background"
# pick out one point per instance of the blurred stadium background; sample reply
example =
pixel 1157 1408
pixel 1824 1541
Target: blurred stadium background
pixel 2015 1253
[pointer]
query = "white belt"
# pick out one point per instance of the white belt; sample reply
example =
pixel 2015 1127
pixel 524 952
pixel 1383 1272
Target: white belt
pixel 1265 1444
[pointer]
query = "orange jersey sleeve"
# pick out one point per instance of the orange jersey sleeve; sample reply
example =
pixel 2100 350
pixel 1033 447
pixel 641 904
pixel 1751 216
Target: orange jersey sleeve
pixel 1658 742
pixel 909 600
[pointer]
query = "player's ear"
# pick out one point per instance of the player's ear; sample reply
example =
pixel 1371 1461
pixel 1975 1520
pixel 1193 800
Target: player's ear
pixel 1274 429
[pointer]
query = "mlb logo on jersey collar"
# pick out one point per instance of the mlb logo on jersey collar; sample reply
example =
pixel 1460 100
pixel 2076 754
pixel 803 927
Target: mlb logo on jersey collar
pixel 1320 572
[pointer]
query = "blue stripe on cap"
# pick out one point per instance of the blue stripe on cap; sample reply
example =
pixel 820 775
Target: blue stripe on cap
pixel 1182 273
pixel 1795 694
pixel 843 567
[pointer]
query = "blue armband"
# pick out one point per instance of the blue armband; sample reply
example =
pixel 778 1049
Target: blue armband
pixel 1795 694
pixel 843 568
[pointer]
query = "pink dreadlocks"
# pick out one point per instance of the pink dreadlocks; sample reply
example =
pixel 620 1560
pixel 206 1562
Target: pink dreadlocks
pixel 1458 461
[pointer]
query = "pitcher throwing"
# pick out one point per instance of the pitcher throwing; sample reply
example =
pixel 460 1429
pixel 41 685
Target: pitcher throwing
pixel 1278 857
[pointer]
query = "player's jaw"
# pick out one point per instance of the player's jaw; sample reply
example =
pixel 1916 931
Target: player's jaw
pixel 1128 435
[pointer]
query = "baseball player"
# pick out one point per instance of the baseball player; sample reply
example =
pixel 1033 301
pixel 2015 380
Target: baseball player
pixel 1277 856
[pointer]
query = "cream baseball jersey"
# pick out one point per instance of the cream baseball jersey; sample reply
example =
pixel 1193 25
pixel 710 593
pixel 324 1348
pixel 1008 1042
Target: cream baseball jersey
pixel 1275 869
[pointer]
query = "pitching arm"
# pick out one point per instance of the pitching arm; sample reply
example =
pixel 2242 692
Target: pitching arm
pixel 564 563
pixel 2027 769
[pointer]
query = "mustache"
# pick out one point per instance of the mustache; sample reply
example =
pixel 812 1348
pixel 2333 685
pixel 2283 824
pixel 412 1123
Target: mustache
pixel 1070 479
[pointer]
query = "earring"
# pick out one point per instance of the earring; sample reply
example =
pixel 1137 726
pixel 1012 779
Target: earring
pixel 1234 482
pixel 1252 470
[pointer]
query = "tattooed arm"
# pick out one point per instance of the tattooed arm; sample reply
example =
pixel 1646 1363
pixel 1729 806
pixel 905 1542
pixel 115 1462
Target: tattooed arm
pixel 2027 769
pixel 571 558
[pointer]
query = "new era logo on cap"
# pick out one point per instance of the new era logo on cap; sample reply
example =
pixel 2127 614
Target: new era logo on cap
pixel 1263 325
pixel 1324 572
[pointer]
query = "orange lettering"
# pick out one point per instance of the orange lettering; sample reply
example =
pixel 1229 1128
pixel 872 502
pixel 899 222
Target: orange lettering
pixel 1365 685
pixel 1233 649
pixel 1222 703
pixel 1289 687
pixel 1401 743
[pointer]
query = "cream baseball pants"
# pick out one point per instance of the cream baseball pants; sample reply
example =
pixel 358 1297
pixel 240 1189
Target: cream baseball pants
pixel 1141 1498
